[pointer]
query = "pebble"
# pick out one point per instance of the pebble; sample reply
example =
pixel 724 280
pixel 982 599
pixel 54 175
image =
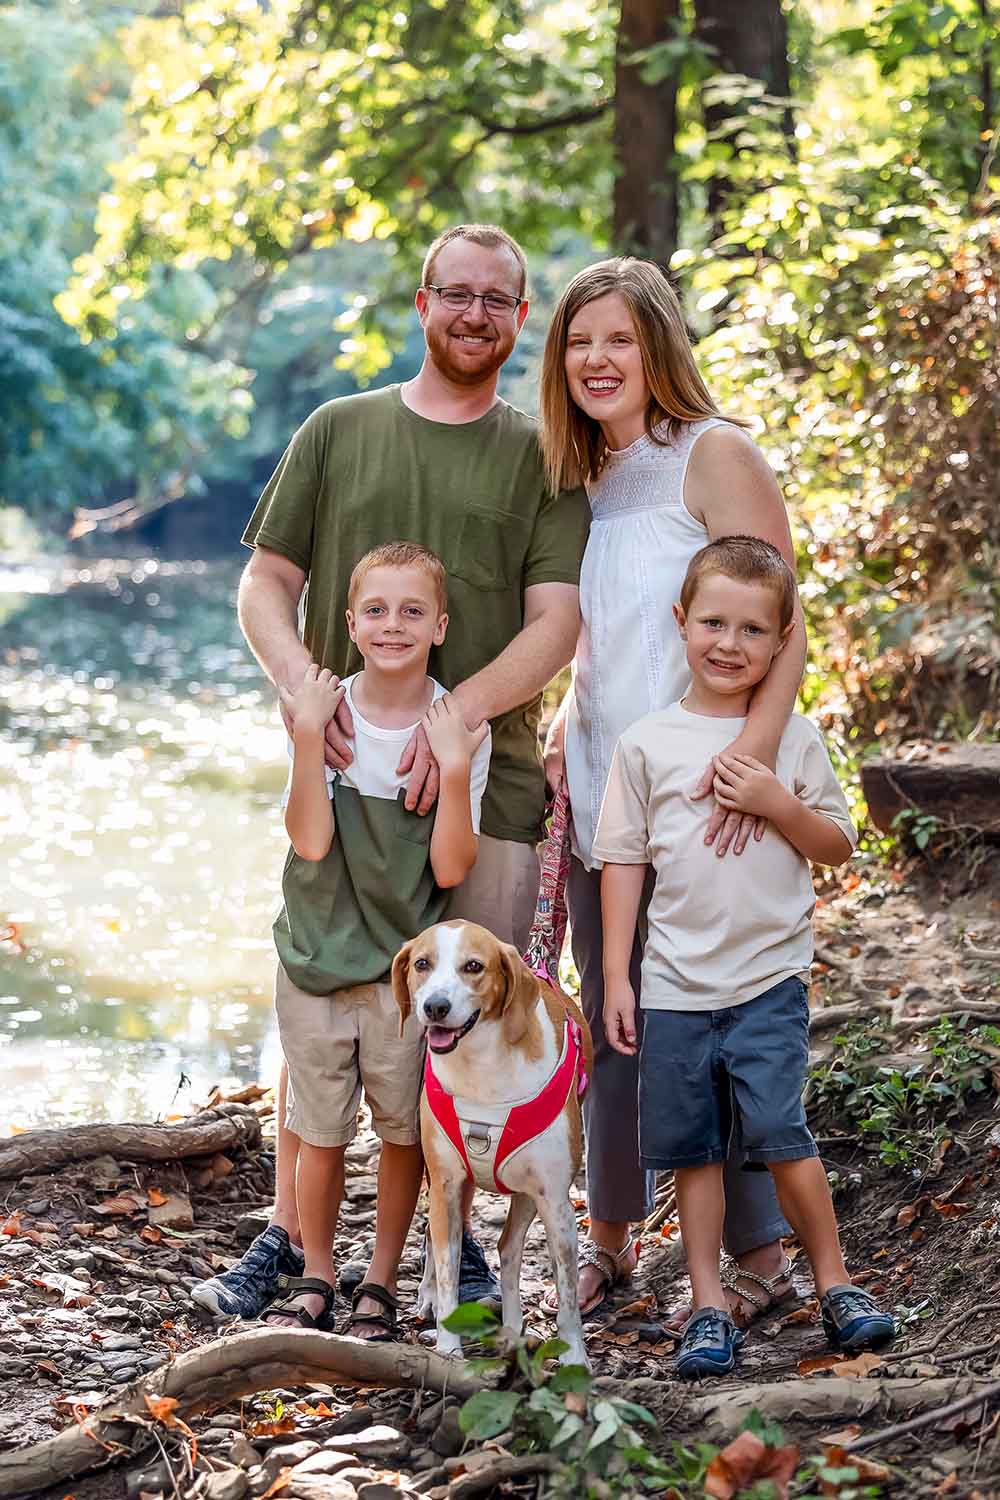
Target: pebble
pixel 152 1478
pixel 319 1487
pixel 448 1437
pixel 228 1484
pixel 118 1341
pixel 327 1462
pixel 431 1416
pixel 243 1453
pixel 284 1456
pixel 384 1444
pixel 356 1477
pixel 214 1437
pixel 379 1489
pixel 38 1206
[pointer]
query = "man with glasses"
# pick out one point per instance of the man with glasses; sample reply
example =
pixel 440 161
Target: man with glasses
pixel 441 460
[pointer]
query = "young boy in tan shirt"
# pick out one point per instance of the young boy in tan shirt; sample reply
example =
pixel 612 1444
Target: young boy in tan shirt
pixel 725 1043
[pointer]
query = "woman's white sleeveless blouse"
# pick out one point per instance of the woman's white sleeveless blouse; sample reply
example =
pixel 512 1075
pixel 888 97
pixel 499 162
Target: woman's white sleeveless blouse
pixel 630 658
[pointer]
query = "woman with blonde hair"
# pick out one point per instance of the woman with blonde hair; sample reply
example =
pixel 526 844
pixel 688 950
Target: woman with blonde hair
pixel 625 412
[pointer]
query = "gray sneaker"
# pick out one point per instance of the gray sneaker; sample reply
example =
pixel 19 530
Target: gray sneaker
pixel 476 1282
pixel 246 1289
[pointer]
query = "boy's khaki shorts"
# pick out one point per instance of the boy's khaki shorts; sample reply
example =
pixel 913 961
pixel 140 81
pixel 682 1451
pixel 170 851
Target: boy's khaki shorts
pixel 337 1044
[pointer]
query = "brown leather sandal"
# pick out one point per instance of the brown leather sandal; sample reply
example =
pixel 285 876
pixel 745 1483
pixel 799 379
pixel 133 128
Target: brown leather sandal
pixel 287 1305
pixel 386 1320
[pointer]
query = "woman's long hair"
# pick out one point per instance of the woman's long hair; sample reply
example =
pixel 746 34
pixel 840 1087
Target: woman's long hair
pixel 573 444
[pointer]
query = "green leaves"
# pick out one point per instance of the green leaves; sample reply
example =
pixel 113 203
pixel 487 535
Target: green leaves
pixel 472 1320
pixel 488 1412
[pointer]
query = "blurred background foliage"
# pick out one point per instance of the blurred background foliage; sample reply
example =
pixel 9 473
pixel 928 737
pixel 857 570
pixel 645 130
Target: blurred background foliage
pixel 212 216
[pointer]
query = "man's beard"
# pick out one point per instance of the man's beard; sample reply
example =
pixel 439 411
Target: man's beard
pixel 493 357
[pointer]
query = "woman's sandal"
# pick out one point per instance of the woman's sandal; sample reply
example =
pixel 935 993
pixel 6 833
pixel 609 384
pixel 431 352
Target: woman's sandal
pixel 288 1305
pixel 386 1320
pixel 733 1274
pixel 609 1264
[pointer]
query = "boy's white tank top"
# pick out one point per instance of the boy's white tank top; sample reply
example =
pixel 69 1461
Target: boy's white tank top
pixel 629 657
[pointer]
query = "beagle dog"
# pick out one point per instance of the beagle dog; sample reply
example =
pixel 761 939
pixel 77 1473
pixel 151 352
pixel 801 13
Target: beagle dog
pixel 507 1059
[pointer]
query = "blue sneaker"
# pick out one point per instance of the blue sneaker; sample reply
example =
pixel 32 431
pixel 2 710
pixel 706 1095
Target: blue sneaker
pixel 246 1289
pixel 853 1320
pixel 709 1345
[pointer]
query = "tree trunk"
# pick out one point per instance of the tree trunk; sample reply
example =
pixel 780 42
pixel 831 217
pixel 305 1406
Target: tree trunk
pixel 749 37
pixel 645 195
pixel 987 145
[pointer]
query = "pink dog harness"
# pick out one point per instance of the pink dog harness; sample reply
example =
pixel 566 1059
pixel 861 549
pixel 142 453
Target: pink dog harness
pixel 487 1135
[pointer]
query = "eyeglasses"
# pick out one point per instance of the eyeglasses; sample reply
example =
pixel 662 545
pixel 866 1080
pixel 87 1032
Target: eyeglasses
pixel 460 299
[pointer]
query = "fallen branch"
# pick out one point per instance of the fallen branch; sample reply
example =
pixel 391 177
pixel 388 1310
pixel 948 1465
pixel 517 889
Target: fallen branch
pixel 664 1210
pixel 935 1343
pixel 224 1128
pixel 485 1476
pixel 926 1418
pixel 210 1377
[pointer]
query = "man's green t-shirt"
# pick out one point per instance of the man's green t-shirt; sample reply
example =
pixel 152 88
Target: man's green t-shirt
pixel 364 470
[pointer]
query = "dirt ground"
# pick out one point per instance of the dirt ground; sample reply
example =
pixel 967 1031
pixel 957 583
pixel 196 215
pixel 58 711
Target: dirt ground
pixel 922 1232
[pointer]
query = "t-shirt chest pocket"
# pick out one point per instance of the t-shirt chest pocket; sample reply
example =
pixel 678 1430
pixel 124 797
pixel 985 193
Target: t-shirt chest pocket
pixel 490 547
pixel 413 827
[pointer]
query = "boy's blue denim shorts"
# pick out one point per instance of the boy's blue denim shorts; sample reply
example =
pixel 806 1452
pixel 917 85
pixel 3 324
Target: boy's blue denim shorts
pixel 726 1083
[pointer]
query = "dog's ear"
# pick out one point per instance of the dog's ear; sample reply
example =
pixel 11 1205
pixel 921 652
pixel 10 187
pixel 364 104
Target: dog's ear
pixel 519 1001
pixel 400 980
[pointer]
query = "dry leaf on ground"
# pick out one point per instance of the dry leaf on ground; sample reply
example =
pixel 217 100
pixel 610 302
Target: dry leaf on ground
pixel 914 1210
pixel 124 1203
pixel 746 1459
pixel 869 1472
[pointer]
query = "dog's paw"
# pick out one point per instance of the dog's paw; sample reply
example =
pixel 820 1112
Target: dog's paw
pixel 425 1306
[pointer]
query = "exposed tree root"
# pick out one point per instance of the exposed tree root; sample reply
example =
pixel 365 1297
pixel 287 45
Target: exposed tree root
pixel 214 1375
pixel 899 1429
pixel 224 1128
pixel 830 1399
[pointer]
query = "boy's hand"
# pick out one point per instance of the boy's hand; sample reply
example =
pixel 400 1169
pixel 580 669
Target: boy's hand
pixel 452 744
pixel 314 702
pixel 619 1016
pixel 745 785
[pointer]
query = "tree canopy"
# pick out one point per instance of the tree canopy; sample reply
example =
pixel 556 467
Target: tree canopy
pixel 240 218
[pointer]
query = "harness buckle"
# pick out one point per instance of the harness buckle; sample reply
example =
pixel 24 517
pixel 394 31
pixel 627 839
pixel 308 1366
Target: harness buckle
pixel 478 1139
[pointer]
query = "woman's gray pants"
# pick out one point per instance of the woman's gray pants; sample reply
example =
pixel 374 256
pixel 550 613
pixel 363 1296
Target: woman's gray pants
pixel 619 1190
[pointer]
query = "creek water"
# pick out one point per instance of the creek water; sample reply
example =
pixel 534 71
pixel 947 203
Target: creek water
pixel 141 768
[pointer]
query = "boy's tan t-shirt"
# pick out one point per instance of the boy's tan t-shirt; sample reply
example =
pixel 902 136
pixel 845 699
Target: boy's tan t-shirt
pixel 363 470
pixel 721 931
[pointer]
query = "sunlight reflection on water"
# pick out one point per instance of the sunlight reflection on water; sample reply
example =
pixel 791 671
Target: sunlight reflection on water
pixel 141 763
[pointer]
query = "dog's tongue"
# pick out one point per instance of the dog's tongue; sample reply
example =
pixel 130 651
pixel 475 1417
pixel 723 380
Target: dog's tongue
pixel 440 1038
